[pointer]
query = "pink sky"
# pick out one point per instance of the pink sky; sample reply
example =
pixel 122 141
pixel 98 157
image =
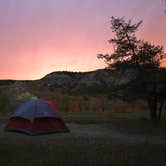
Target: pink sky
pixel 39 37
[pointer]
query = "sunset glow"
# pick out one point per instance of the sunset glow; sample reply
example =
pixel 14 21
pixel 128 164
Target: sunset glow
pixel 41 36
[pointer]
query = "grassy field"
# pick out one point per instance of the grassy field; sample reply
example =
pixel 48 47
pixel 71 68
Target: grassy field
pixel 120 139
pixel 78 151
pixel 120 136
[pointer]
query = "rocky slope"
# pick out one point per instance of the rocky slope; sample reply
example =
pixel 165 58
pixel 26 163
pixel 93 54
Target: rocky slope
pixel 85 81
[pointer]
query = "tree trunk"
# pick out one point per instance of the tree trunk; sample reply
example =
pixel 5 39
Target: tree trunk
pixel 160 109
pixel 152 102
pixel 153 115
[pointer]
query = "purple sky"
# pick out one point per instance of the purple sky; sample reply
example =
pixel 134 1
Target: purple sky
pixel 41 36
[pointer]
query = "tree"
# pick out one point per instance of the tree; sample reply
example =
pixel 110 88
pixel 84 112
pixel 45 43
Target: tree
pixel 141 56
pixel 128 50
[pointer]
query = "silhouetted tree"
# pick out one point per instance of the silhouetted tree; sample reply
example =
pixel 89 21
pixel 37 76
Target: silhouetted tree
pixel 141 56
pixel 128 50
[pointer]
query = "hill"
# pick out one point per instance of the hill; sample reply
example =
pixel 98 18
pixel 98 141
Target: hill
pixel 76 91
pixel 93 83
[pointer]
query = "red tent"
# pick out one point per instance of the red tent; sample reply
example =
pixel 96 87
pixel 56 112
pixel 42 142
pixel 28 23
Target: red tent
pixel 36 117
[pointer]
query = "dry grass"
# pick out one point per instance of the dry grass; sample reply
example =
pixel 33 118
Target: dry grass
pixel 78 148
pixel 93 142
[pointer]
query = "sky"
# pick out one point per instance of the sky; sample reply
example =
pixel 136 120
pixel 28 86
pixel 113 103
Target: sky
pixel 41 36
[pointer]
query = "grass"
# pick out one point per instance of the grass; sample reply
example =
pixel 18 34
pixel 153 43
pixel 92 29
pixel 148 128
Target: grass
pixel 136 123
pixel 77 149
pixel 80 150
pixel 125 122
pixel 86 117
pixel 61 150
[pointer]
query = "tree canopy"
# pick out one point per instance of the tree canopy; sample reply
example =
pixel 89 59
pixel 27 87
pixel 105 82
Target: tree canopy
pixel 128 50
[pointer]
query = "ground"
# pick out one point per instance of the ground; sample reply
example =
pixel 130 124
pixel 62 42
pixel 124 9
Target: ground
pixel 94 139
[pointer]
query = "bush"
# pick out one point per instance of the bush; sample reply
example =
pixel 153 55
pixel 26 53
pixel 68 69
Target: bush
pixel 5 105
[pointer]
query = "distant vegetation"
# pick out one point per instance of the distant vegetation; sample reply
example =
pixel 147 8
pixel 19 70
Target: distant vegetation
pixel 5 104
pixel 6 82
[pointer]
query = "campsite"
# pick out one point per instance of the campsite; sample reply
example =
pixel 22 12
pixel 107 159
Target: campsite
pixel 82 83
pixel 95 137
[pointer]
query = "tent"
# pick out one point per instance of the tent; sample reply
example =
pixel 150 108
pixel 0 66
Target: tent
pixel 36 117
pixel 51 104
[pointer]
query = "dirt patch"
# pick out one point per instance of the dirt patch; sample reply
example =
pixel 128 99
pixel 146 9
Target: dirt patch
pixel 86 133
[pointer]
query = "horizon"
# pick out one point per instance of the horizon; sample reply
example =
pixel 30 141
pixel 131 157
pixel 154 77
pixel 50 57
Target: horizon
pixel 59 71
pixel 54 72
pixel 40 37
